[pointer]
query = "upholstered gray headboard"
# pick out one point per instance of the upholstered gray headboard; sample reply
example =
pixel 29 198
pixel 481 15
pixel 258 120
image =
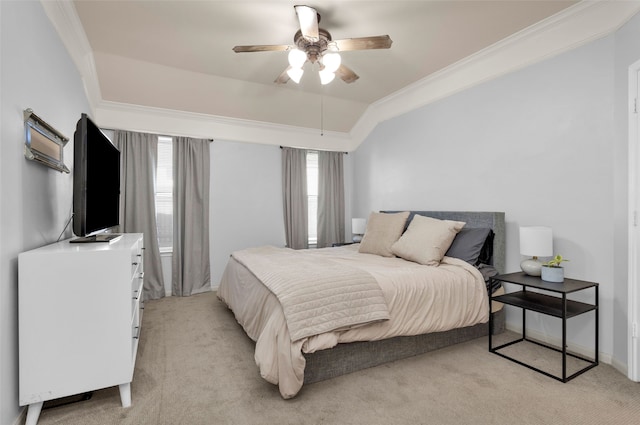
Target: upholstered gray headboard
pixel 491 219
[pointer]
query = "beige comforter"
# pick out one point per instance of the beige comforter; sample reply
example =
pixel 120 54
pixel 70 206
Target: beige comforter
pixel 420 299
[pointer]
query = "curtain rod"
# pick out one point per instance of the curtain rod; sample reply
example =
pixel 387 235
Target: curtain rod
pixel 323 150
pixel 159 134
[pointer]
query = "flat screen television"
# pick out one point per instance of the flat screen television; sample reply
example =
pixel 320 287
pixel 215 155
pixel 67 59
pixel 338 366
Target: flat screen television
pixel 96 183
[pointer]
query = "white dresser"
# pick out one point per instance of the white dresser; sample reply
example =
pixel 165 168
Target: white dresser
pixel 79 319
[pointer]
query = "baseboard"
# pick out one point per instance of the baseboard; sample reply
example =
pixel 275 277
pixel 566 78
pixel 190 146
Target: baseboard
pixel 620 367
pixel 556 342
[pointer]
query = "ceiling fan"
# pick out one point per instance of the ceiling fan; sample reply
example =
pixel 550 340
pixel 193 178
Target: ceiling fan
pixel 314 44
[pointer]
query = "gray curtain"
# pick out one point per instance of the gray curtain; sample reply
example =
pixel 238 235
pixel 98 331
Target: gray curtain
pixel 191 268
pixel 139 157
pixel 330 198
pixel 294 196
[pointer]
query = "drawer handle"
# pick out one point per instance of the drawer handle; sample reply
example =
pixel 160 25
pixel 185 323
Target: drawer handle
pixel 135 264
pixel 137 335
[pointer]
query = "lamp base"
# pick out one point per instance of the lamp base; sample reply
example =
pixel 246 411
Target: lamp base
pixel 531 266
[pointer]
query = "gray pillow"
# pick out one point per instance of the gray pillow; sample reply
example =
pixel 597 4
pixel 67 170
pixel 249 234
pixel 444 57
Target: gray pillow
pixel 468 243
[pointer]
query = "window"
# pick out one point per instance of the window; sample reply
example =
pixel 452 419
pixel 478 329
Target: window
pixel 312 196
pixel 164 194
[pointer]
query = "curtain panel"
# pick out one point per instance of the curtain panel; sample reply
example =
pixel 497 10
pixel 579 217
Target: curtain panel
pixel 191 271
pixel 331 208
pixel 139 157
pixel 294 191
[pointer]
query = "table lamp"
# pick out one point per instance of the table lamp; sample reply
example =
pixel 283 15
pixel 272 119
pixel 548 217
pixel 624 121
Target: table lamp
pixel 358 226
pixel 535 241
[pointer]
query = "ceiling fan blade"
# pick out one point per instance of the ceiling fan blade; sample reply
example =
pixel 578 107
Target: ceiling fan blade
pixel 364 43
pixel 284 77
pixel 308 18
pixel 346 74
pixel 261 48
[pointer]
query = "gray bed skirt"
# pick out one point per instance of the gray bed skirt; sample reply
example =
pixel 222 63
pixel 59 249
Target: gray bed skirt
pixel 354 356
pixel 347 358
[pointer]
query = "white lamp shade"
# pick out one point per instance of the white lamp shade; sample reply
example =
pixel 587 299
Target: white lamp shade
pixel 536 241
pixel 358 226
pixel 326 77
pixel 297 58
pixel 331 61
pixel 295 74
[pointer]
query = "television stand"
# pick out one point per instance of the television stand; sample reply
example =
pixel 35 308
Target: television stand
pixel 107 237
pixel 61 356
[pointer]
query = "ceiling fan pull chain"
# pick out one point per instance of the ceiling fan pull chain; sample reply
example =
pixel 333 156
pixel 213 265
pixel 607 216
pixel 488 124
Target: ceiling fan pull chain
pixel 322 114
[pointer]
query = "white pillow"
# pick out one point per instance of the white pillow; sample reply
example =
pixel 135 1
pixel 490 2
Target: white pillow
pixel 382 231
pixel 427 240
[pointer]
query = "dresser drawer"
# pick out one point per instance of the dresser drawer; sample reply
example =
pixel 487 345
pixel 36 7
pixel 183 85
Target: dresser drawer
pixel 136 283
pixel 135 331
pixel 136 292
pixel 136 262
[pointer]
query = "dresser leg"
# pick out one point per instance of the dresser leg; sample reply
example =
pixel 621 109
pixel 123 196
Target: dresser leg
pixel 125 394
pixel 33 413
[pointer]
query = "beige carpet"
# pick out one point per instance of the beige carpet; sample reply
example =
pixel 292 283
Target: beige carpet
pixel 195 366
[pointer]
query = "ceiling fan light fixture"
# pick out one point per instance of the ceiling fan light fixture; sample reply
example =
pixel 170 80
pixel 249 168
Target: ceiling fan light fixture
pixel 326 76
pixel 295 74
pixel 331 61
pixel 297 58
pixel 315 45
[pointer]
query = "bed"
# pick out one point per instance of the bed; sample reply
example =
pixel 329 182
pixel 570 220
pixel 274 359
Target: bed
pixel 398 305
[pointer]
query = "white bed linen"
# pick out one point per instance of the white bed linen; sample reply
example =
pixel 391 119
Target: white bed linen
pixel 420 299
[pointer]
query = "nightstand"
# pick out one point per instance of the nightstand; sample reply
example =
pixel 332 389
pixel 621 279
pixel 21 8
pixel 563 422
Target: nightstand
pixel 556 305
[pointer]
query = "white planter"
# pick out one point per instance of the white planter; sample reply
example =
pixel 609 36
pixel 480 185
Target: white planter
pixel 552 274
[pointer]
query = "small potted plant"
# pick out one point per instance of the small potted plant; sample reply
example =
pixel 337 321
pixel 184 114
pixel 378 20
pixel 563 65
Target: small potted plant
pixel 552 270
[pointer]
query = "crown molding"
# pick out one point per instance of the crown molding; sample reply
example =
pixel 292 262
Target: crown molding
pixel 66 21
pixel 204 126
pixel 573 27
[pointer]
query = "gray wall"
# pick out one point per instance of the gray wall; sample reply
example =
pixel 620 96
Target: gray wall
pixel 543 145
pixel 36 72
